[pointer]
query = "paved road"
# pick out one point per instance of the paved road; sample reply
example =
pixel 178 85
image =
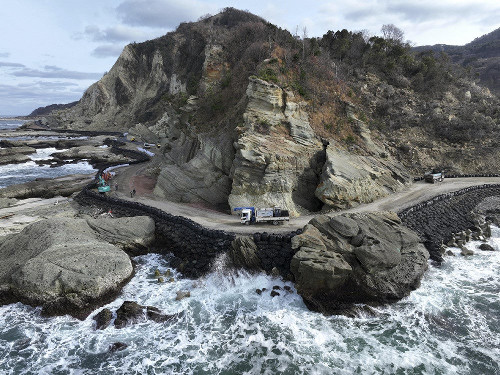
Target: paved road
pixel 130 177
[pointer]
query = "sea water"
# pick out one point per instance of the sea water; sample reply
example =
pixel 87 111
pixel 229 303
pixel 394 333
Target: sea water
pixel 450 325
pixel 11 174
pixel 10 123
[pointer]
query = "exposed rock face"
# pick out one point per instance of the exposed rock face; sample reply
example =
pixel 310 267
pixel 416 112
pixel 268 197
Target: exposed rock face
pixel 354 258
pixel 349 180
pixel 61 265
pixel 271 170
pixel 243 253
pixel 131 312
pixel 125 232
pixel 197 170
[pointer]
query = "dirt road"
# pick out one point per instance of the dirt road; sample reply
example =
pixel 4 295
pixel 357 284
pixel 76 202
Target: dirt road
pixel 132 177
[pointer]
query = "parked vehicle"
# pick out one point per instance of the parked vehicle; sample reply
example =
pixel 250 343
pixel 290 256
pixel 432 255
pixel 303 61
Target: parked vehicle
pixel 434 176
pixel 274 215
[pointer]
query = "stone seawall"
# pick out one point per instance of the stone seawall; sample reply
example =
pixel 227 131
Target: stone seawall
pixel 437 219
pixel 195 248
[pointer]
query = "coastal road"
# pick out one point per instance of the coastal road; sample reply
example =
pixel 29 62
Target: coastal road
pixel 134 177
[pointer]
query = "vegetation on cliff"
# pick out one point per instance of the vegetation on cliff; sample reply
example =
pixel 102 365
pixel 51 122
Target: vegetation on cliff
pixel 235 101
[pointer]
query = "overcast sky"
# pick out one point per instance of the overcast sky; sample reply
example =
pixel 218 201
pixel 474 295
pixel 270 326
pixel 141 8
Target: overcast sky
pixel 52 50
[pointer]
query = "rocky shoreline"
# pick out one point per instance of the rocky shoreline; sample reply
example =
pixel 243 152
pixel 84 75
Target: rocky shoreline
pixel 335 261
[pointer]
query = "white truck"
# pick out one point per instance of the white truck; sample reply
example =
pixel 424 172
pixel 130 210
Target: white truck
pixel 273 215
pixel 434 176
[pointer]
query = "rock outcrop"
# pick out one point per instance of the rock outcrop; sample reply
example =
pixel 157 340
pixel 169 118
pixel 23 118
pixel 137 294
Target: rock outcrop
pixel 131 312
pixel 348 180
pixel 62 265
pixel 278 158
pixel 134 232
pixel 356 258
pixel 243 254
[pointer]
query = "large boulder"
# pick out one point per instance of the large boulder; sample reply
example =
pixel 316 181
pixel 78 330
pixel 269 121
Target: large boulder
pixel 356 258
pixel 62 265
pixel 128 233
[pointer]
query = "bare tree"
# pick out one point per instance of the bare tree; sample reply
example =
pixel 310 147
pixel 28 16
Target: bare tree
pixel 393 33
pixel 304 37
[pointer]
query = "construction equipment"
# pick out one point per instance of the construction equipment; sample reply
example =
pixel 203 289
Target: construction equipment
pixel 274 215
pixel 434 176
pixel 102 186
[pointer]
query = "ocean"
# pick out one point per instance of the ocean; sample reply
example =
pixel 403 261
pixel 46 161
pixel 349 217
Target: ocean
pixel 11 174
pixel 7 123
pixel 450 325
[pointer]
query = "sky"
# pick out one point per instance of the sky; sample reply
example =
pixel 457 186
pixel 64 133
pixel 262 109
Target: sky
pixel 51 51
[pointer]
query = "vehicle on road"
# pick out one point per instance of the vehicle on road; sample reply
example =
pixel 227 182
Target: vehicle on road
pixel 275 215
pixel 434 176
pixel 102 186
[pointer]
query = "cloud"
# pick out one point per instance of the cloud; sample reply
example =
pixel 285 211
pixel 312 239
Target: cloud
pixel 21 99
pixel 4 54
pixel 117 33
pixel 11 65
pixel 109 50
pixel 51 71
pixel 166 14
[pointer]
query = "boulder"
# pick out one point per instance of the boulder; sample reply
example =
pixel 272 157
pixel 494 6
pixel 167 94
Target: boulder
pixel 131 312
pixel 125 232
pixel 117 346
pixel 243 253
pixel 486 247
pixel 103 319
pixel 61 265
pixel 333 272
pixel 181 294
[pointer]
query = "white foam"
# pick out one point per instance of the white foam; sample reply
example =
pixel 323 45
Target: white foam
pixel 443 327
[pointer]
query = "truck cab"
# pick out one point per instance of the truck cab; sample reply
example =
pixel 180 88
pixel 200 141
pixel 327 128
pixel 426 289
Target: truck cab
pixel 246 216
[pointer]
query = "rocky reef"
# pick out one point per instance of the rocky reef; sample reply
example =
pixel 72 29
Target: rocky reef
pixel 65 266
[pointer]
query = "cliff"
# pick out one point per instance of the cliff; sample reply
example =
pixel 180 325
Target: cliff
pixel 247 114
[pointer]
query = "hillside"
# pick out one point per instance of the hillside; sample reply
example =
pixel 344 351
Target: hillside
pixel 248 114
pixel 481 57
pixel 42 111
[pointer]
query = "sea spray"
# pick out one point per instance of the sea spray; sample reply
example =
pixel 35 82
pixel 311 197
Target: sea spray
pixel 448 326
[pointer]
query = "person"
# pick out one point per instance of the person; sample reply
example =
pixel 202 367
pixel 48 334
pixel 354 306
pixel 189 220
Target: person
pixel 116 187
pixel 133 191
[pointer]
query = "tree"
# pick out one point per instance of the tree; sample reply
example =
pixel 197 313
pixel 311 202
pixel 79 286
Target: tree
pixel 393 33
